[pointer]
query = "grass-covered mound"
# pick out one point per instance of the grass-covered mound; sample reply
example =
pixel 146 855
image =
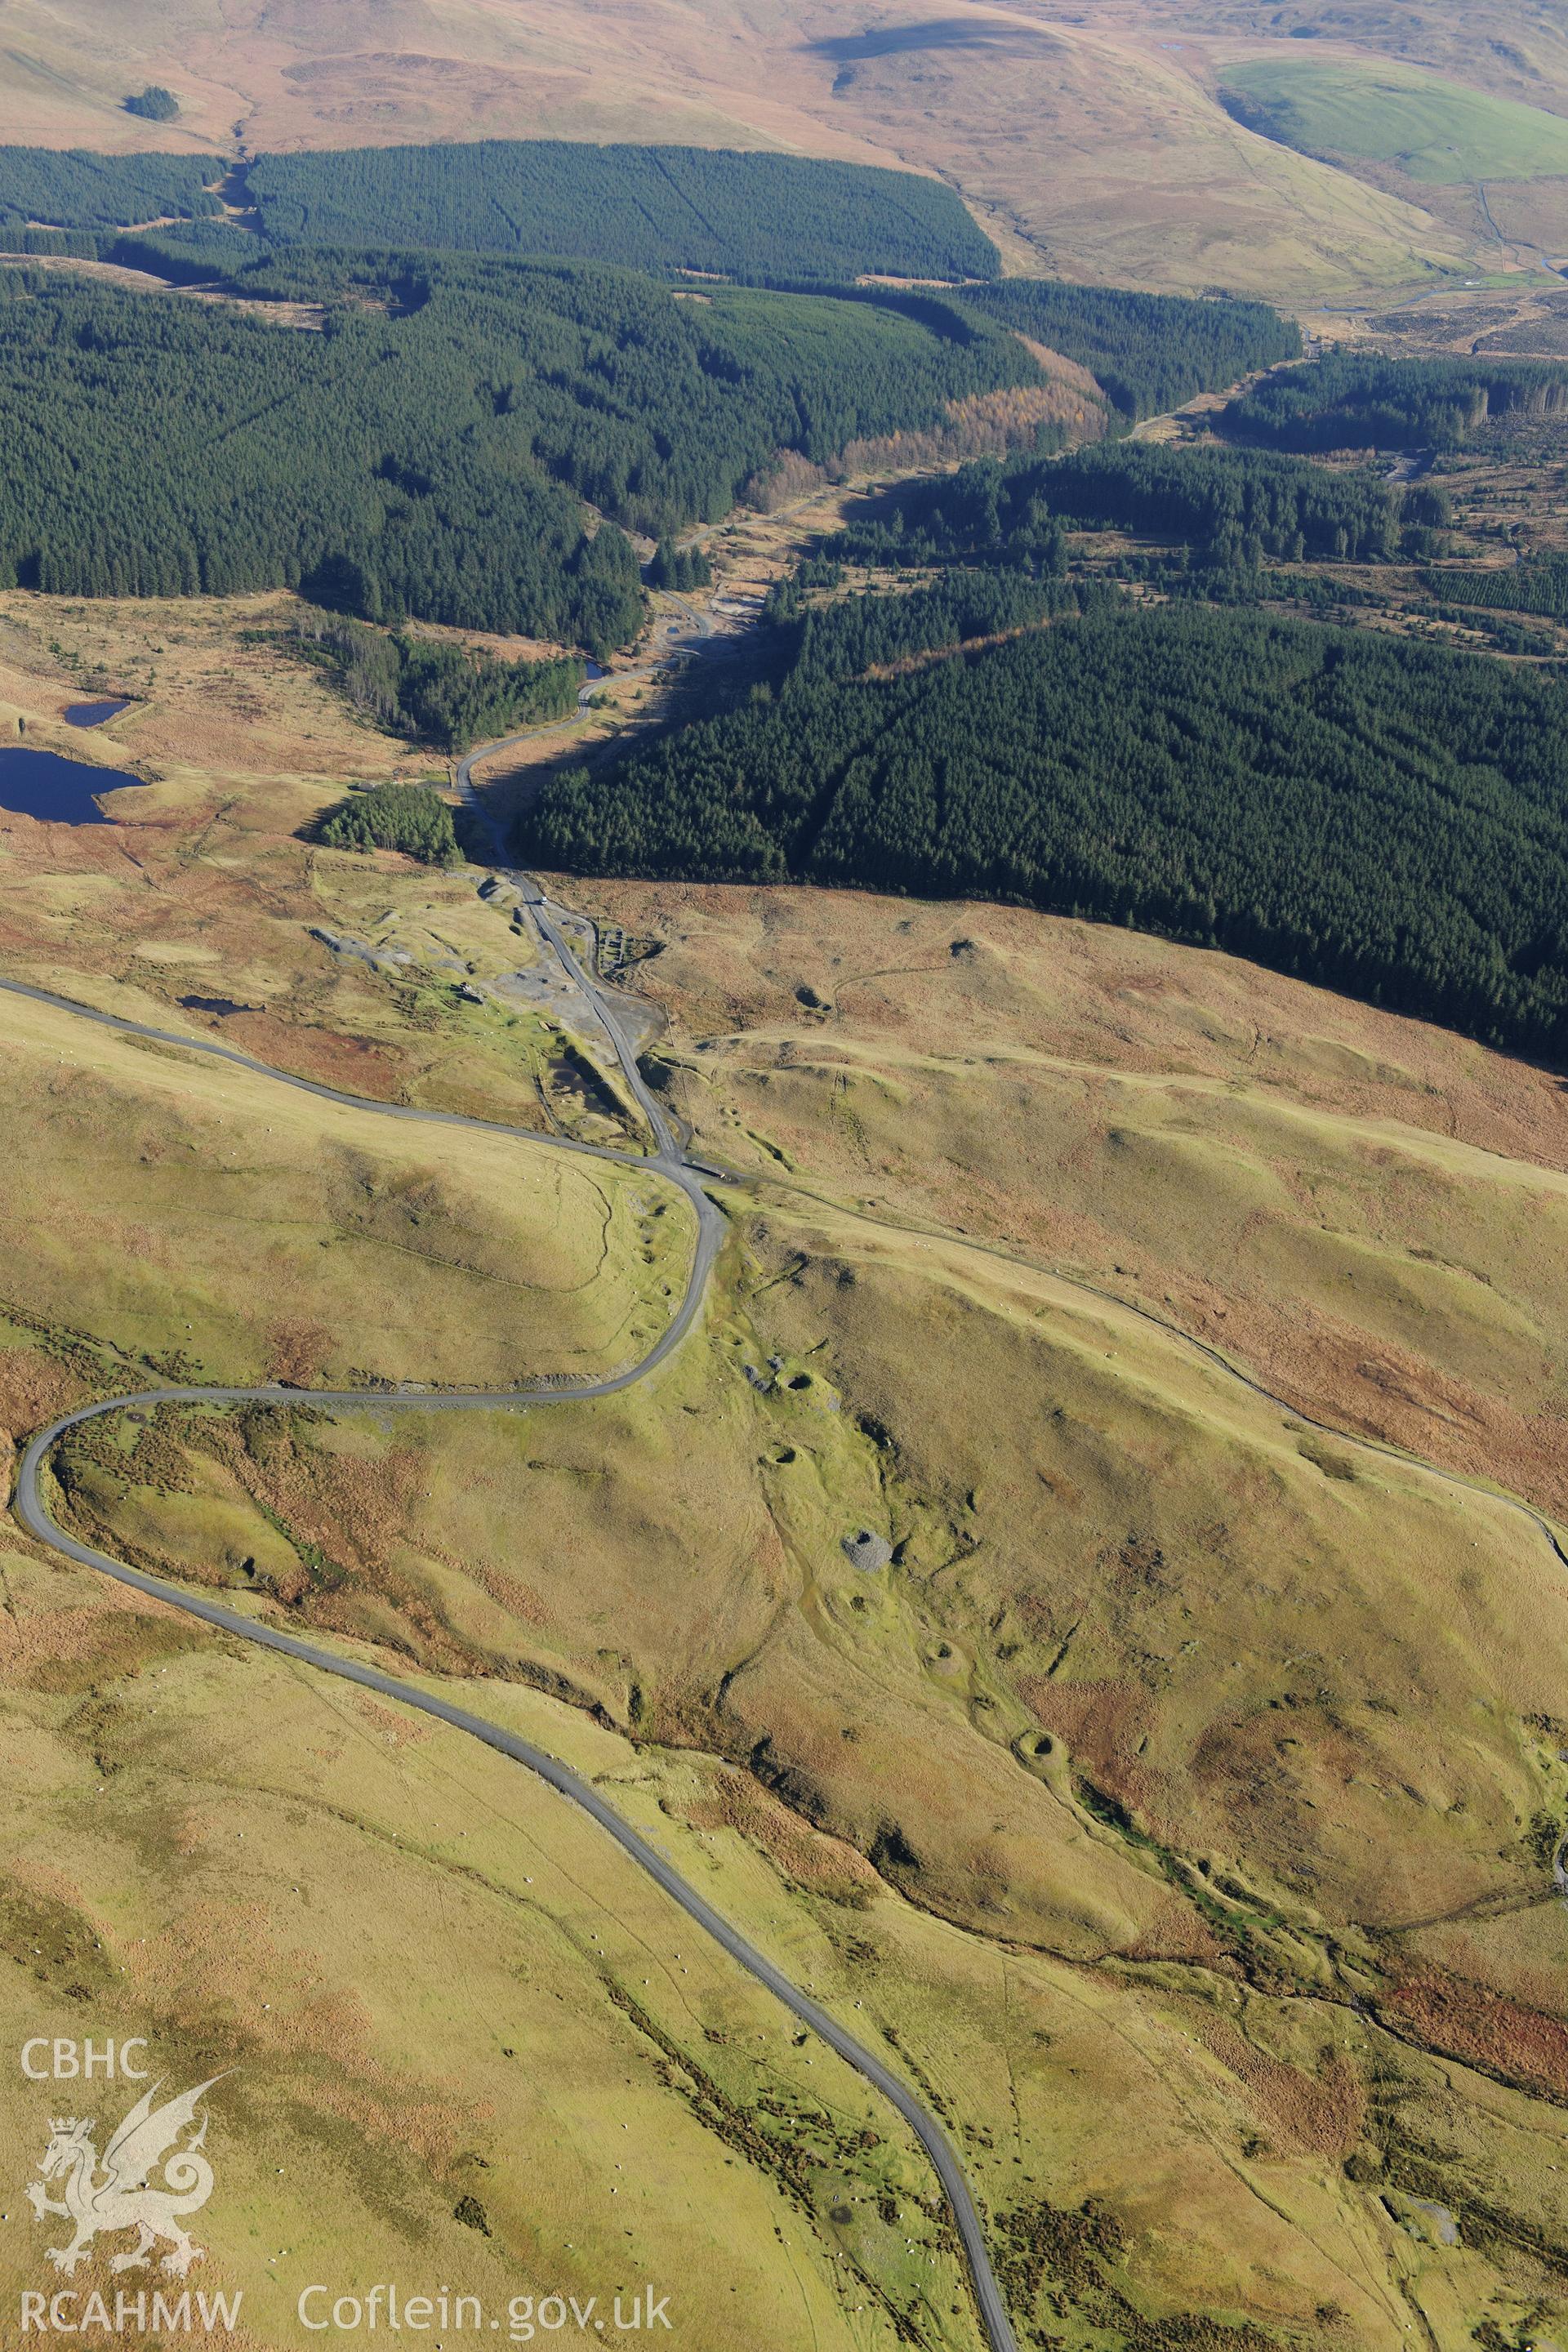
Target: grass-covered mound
pixel 1388 818
pixel 410 817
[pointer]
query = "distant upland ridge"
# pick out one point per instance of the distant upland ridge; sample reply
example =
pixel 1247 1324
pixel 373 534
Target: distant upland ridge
pixel 736 215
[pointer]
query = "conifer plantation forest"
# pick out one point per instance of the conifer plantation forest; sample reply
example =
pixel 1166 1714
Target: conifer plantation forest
pixel 410 817
pixel 1235 505
pixel 1149 352
pixel 465 428
pixel 1388 819
pixel 434 691
pixel 748 215
pixel 428 451
pixel 1354 400
pixel 71 189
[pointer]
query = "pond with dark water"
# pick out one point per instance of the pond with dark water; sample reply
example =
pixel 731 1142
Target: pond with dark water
pixel 93 714
pixel 42 784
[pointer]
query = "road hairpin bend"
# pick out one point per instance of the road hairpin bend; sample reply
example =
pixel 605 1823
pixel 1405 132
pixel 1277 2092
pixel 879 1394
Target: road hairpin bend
pixel 669 1160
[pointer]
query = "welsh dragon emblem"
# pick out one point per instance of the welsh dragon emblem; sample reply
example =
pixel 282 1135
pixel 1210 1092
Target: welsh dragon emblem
pixel 120 2199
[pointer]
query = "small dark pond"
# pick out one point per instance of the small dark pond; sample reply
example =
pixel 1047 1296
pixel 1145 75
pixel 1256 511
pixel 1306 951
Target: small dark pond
pixel 93 714
pixel 220 1004
pixel 40 784
pixel 597 669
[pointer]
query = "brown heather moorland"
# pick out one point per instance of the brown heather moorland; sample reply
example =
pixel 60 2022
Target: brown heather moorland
pixel 1090 143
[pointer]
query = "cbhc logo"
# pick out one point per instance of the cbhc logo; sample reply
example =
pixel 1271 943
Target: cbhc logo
pixel 66 2061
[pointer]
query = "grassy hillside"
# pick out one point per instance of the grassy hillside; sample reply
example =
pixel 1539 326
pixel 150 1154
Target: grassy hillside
pixel 577 2015
pixel 1436 132
pixel 365 1243
pixel 761 1643
pixel 1057 1717
pixel 1365 1209
pixel 454 2024
pixel 1092 1708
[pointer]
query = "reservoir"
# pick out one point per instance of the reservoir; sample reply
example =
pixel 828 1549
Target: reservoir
pixel 40 784
pixel 93 714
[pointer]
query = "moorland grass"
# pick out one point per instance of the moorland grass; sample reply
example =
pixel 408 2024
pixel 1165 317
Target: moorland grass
pixel 1437 131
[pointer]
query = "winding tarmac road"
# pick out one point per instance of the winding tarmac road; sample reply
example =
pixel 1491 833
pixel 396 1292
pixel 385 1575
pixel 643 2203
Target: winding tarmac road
pixel 669 1160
